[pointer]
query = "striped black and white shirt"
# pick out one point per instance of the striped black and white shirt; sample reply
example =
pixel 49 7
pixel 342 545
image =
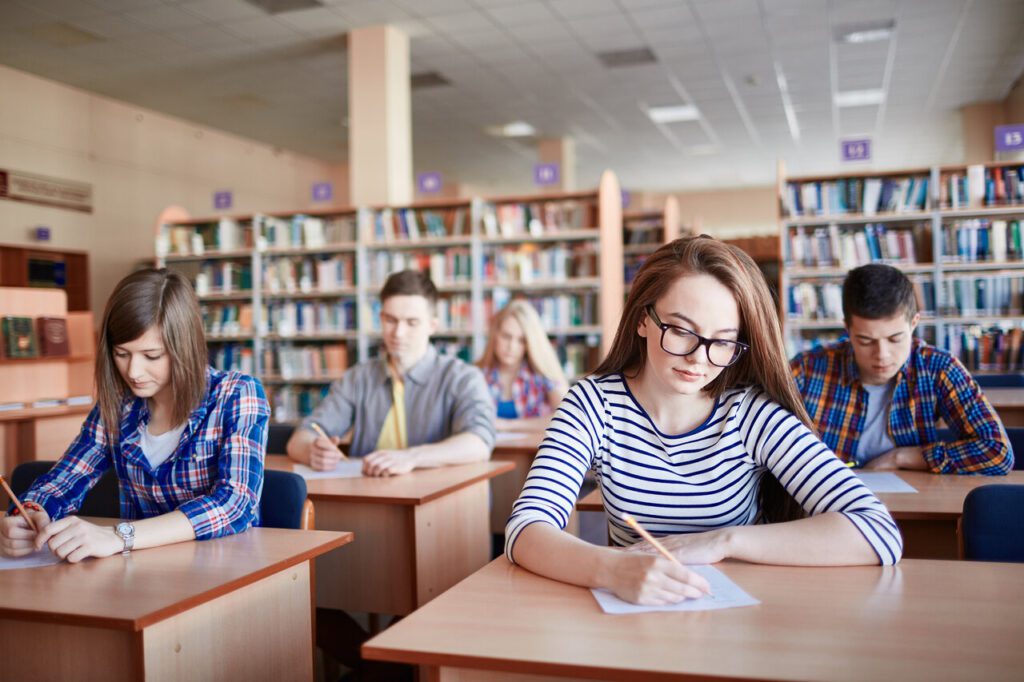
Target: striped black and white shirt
pixel 693 482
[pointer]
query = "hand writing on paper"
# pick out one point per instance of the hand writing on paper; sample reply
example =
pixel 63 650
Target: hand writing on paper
pixel 909 457
pixel 388 463
pixel 324 454
pixel 16 537
pixel 74 539
pixel 654 580
pixel 691 548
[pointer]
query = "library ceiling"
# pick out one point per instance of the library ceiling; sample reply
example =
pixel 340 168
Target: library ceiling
pixel 768 79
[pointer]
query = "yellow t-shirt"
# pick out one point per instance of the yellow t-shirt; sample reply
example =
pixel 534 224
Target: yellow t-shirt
pixel 392 432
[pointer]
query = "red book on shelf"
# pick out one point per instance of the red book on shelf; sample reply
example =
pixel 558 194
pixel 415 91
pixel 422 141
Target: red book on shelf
pixel 53 336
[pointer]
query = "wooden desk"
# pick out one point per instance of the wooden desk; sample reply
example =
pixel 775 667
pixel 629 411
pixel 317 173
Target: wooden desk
pixel 419 534
pixel 518 448
pixel 919 620
pixel 1009 403
pixel 235 608
pixel 927 518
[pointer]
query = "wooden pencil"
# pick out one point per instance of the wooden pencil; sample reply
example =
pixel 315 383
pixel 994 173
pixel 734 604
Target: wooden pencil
pixel 323 434
pixel 650 538
pixel 17 503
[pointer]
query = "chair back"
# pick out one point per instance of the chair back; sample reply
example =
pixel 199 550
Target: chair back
pixel 104 499
pixel 283 502
pixel 992 526
pixel 277 438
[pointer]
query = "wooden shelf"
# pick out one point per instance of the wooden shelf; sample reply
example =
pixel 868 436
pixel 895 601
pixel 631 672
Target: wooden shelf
pixel 343 247
pixel 985 266
pixel 584 234
pixel 325 336
pixel 856 219
pixel 547 285
pixel 235 254
pixel 426 243
pixel 834 272
pixel 52 358
pixel 289 295
pixel 232 296
pixel 640 249
pixel 229 338
pixel 982 211
pixel 279 379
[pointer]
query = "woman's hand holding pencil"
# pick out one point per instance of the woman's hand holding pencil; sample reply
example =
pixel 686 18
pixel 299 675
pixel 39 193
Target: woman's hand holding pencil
pixel 644 578
pixel 18 533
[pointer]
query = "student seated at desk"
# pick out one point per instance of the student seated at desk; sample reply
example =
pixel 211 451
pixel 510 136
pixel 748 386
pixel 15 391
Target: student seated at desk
pixel 521 368
pixel 690 424
pixel 186 441
pixel 877 396
pixel 409 408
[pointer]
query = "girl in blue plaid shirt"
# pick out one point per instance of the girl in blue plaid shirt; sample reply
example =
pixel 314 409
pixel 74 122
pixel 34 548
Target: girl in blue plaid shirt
pixel 186 441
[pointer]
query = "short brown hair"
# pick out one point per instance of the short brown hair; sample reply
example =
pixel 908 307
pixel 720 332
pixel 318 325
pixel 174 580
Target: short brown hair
pixel 409 283
pixel 142 300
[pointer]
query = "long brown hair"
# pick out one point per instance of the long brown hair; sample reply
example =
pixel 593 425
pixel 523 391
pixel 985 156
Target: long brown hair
pixel 142 300
pixel 764 365
pixel 540 355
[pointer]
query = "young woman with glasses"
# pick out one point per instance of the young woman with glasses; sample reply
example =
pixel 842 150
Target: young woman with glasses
pixel 690 425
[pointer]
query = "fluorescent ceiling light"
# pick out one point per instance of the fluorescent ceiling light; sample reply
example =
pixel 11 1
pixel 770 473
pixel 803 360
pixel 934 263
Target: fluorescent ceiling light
pixel 673 114
pixel 513 129
pixel 859 98
pixel 866 33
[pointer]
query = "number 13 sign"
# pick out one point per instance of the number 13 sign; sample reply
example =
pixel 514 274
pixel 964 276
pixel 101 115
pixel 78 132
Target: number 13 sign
pixel 1009 138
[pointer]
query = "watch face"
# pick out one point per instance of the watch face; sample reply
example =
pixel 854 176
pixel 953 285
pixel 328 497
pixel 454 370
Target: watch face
pixel 124 529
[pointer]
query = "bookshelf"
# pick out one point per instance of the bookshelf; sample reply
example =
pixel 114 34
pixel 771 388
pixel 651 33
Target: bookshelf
pixel 644 231
pixel 954 230
pixel 292 297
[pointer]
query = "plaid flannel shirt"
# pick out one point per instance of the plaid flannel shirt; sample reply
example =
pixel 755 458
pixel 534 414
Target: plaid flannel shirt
pixel 529 391
pixel 215 477
pixel 931 385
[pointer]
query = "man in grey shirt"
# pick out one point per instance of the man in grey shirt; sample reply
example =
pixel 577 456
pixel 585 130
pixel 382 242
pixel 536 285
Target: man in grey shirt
pixel 446 416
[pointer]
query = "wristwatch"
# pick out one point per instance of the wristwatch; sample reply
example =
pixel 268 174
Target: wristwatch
pixel 126 532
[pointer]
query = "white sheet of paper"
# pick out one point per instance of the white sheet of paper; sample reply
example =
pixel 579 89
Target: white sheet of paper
pixel 352 468
pixel 725 595
pixel 43 557
pixel 506 436
pixel 884 482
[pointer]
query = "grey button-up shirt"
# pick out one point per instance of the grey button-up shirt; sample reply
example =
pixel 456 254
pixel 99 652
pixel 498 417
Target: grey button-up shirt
pixel 443 396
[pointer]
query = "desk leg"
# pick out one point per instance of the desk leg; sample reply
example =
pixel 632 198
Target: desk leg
pixel 259 632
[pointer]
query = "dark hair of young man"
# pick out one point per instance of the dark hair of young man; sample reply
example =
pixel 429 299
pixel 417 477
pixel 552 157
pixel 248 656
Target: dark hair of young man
pixel 877 292
pixel 409 283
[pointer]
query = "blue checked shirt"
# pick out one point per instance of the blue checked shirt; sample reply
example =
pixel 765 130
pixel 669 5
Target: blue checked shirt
pixel 931 385
pixel 214 478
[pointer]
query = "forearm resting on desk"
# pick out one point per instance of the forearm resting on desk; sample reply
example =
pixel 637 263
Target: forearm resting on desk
pixel 828 539
pixel 461 448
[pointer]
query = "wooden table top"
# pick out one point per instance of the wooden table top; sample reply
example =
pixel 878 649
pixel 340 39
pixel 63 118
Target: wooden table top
pixel 938 496
pixel 920 619
pixel 43 412
pixel 518 442
pixel 1005 397
pixel 133 592
pixel 419 487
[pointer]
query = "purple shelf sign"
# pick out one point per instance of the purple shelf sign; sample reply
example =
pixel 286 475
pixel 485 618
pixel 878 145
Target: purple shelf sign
pixel 625 198
pixel 856 150
pixel 546 174
pixel 323 191
pixel 222 200
pixel 1010 138
pixel 428 183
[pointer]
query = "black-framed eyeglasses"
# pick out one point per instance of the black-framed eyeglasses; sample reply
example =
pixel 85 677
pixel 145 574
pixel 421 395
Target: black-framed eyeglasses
pixel 682 342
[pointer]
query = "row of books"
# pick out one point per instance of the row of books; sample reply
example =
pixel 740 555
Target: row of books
pixel 236 357
pixel 226 234
pixel 227 319
pixel 224 277
pixel 848 247
pixel 986 348
pixel 807 301
pixel 292 403
pixel 303 362
pixel 631 266
pixel 537 218
pixel 978 186
pixel 403 224
pixel 556 312
pixel 867 196
pixel 980 240
pixel 304 275
pixel 302 231
pixel 983 295
pixel 31 337
pixel 291 318
pixel 530 262
pixel 445 267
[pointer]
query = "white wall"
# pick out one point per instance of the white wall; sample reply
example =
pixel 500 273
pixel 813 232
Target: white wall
pixel 138 163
